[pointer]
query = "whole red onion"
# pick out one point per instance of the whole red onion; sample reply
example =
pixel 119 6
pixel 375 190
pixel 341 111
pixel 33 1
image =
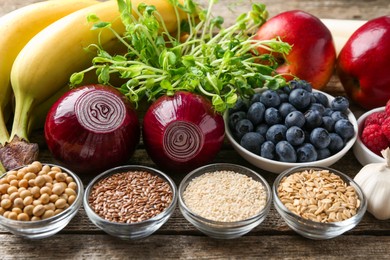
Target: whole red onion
pixel 92 128
pixel 182 132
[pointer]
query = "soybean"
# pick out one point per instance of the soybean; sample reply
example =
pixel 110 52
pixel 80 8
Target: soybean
pixel 36 192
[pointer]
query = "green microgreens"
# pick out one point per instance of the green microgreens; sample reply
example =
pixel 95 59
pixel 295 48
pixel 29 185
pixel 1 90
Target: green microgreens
pixel 219 63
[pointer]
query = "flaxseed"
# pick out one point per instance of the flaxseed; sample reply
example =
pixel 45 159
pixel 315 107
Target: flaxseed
pixel 130 197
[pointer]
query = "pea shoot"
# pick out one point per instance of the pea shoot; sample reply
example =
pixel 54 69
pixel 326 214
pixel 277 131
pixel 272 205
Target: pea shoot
pixel 201 57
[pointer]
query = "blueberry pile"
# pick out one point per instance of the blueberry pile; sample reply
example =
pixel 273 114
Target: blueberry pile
pixel 293 124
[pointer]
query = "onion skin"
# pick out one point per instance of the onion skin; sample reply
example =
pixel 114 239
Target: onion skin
pixel 92 128
pixel 182 132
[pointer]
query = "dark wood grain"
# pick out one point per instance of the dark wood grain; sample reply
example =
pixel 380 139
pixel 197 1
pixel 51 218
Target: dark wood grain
pixel 273 239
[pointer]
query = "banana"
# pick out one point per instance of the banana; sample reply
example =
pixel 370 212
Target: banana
pixel 16 29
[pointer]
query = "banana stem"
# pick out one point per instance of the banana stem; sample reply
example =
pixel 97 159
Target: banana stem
pixel 4 135
pixel 21 118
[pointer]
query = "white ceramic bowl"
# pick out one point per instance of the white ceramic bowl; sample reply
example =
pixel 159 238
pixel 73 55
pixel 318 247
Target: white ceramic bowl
pixel 277 166
pixel 362 153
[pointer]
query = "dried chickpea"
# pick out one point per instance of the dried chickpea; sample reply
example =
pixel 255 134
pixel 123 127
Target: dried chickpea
pixel 46 168
pixel 28 200
pixel 35 192
pixel 23 217
pixel 40 181
pixel 23 183
pixel 56 169
pixel 71 199
pixel 58 189
pixel 6 203
pixel 4 187
pixel 12 189
pixel 12 215
pixel 13 196
pixel 53 198
pixel 60 177
pixel 25 193
pixel 18 203
pixel 60 203
pixel 38 210
pixel 45 190
pixel 28 210
pixel 14 182
pixel 17 210
pixel 30 175
pixel 45 198
pixel 48 214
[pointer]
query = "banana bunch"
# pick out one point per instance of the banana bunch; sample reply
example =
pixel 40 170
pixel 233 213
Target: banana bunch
pixel 41 46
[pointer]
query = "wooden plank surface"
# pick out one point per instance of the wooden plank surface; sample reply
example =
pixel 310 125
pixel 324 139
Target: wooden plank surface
pixel 178 238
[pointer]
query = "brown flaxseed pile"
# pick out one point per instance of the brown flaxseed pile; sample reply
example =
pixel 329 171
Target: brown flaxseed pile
pixel 130 197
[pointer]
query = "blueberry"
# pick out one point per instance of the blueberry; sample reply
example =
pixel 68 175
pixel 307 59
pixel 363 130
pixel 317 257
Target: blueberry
pixel 295 135
pixel 320 138
pixel 272 116
pixel 235 117
pixel 255 98
pixel 285 152
pixel 318 107
pixel 239 106
pixel 323 153
pixel 283 97
pixel 337 115
pixel 301 84
pixel 296 118
pixel 327 112
pixel 340 103
pixel 276 133
pixel 306 153
pixel 252 141
pixel 285 108
pixel 268 150
pixel 270 98
pixel 321 98
pixel 313 119
pixel 242 127
pixel 344 128
pixel 262 129
pixel 328 123
pixel 300 98
pixel 336 143
pixel 256 113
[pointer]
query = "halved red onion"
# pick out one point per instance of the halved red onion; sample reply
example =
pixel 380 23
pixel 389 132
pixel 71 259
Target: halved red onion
pixel 92 128
pixel 182 132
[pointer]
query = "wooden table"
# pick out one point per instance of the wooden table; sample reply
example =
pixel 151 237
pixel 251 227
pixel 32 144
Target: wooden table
pixel 178 238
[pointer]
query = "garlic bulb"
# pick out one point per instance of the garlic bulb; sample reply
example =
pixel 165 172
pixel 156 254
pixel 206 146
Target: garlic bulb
pixel 374 179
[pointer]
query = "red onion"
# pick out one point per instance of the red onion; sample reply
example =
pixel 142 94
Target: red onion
pixel 182 132
pixel 92 128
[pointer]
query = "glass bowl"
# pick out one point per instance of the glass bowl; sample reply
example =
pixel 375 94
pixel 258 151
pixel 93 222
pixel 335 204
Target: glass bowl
pixel 362 153
pixel 224 229
pixel 46 227
pixel 277 167
pixel 134 230
pixel 314 229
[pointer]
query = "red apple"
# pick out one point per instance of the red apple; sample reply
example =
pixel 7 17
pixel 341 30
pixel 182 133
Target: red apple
pixel 363 64
pixel 313 53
